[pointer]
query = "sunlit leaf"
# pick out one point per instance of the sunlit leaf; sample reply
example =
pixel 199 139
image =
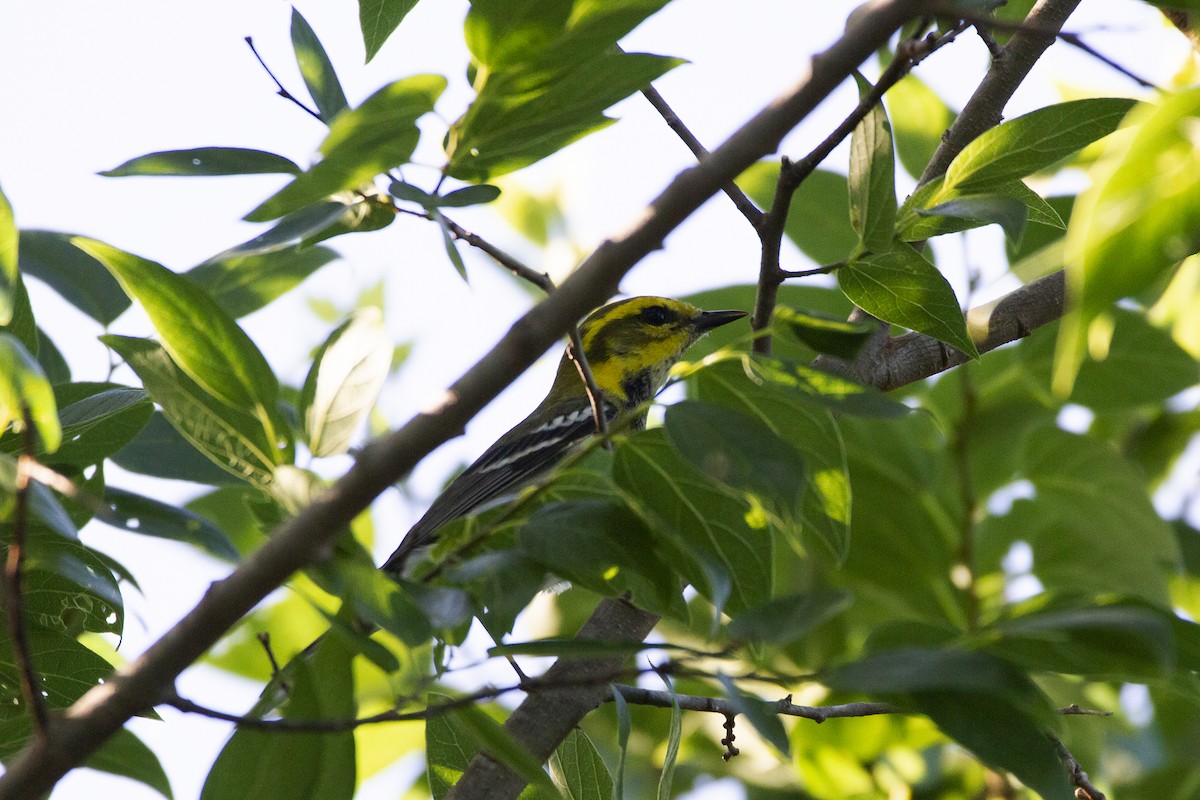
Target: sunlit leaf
pixel 205 161
pixel 364 142
pixel 202 339
pixel 378 19
pixel 903 288
pixel 317 70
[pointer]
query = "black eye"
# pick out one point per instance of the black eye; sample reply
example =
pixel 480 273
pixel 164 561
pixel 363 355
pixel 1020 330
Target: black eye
pixel 655 315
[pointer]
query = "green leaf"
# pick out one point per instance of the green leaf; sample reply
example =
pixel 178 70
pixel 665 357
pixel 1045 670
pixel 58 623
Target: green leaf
pixel 903 288
pixel 66 668
pixel 205 161
pixel 787 619
pixel 448 241
pixel 873 178
pixel 705 527
pixel 379 599
pixel 231 438
pixel 9 239
pixel 1144 199
pixel 453 737
pixel 1034 141
pixel 364 142
pixel 919 118
pixel 68 588
pixel 51 359
pixel 921 216
pixel 126 755
pixel 378 19
pixel 346 376
pixel 624 723
pixel 469 196
pixel 80 279
pixel 818 221
pixel 1007 212
pixel 24 385
pixel 243 284
pixel 548 74
pixel 603 546
pixel 98 425
pixel 760 715
pixel 22 326
pixel 667 777
pixel 413 194
pixel 138 514
pixel 293 228
pixel 270 765
pixel 317 70
pixel 578 769
pixel 161 451
pixel 492 738
pixel 1106 640
pixel 826 333
pixel 806 426
pixel 1002 736
pixel 201 338
pixel 1090 524
pixel 739 451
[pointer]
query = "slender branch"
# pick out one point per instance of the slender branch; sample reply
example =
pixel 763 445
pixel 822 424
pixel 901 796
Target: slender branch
pixel 1083 786
pixel 1074 40
pixel 744 204
pixel 511 263
pixel 14 607
pixel 983 110
pixel 784 707
pixel 791 174
pixel 541 280
pixel 307 537
pixel 282 92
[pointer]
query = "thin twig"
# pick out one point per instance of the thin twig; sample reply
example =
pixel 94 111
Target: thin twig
pixel 808 273
pixel 1083 786
pixel 14 585
pixel 541 280
pixel 744 204
pixel 264 638
pixel 1074 40
pixel 909 53
pixel 595 394
pixel 282 92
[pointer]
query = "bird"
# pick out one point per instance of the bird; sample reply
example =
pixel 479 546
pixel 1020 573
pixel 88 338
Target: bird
pixel 630 346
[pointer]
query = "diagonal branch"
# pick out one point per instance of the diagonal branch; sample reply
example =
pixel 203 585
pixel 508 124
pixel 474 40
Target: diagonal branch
pixel 308 537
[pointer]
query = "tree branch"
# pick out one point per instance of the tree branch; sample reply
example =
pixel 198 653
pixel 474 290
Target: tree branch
pixel 308 537
pixel 744 204
pixel 791 174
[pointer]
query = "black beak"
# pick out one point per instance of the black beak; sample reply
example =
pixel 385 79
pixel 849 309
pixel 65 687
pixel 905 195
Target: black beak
pixel 715 319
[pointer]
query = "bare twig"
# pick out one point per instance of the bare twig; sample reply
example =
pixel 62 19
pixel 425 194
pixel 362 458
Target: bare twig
pixel 744 204
pixel 791 174
pixel 281 91
pixel 14 585
pixel 264 639
pixel 1083 786
pixel 983 110
pixel 541 280
pixel 1074 40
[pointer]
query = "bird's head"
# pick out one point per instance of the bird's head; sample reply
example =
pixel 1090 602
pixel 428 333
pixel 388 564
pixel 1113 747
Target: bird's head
pixel 632 344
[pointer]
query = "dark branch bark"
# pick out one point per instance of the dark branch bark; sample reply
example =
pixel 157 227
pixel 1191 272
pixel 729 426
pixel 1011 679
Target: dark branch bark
pixel 308 536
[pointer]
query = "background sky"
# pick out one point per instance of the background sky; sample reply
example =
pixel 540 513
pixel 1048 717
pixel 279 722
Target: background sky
pixel 85 86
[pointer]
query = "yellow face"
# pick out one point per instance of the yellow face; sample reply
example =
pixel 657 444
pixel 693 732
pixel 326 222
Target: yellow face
pixel 642 336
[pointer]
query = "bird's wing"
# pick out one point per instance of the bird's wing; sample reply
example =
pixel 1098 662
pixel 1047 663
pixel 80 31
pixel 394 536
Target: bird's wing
pixel 516 458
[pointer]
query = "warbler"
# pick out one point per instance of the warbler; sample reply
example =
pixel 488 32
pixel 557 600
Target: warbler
pixel 630 346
